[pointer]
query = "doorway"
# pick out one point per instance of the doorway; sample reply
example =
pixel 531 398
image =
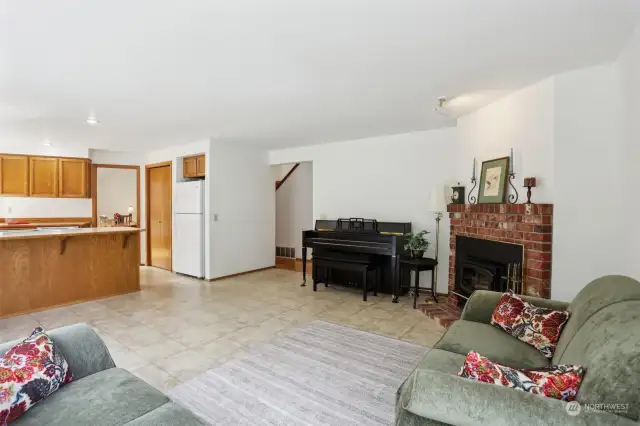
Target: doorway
pixel 158 179
pixel 115 190
pixel 115 196
pixel 294 212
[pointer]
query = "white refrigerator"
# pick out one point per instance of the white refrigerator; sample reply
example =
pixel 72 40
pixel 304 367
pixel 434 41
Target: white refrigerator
pixel 188 255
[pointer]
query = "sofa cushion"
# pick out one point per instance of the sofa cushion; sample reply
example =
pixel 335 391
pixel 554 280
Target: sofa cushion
pixel 440 360
pixel 109 397
pixel 465 336
pixel 169 414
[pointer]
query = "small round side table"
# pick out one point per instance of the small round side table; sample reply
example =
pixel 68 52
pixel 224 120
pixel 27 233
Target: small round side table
pixel 418 265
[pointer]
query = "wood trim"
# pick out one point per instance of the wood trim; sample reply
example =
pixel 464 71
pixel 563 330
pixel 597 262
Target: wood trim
pixel 287 263
pixel 147 194
pixel 162 164
pixel 239 274
pixel 94 190
pixel 116 166
pixel 280 182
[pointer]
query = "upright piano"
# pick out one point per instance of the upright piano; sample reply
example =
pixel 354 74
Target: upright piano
pixel 358 237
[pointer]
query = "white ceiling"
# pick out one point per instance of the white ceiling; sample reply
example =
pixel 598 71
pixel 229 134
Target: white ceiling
pixel 277 73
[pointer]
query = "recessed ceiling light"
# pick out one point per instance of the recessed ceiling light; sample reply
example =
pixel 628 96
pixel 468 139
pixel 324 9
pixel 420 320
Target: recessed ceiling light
pixel 46 142
pixel 92 120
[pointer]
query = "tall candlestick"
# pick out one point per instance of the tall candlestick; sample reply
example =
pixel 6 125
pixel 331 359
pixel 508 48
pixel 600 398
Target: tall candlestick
pixel 511 162
pixel 473 174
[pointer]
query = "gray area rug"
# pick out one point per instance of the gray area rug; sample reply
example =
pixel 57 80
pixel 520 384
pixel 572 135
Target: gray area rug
pixel 320 374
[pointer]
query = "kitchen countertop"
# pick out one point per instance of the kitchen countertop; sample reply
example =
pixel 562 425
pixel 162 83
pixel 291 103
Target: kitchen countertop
pixel 46 233
pixel 33 225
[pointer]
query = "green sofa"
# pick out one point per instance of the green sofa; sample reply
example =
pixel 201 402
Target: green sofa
pixel 602 334
pixel 100 394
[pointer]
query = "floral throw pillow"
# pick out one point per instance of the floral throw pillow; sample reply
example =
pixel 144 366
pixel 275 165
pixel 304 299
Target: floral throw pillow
pixel 507 311
pixel 30 371
pixel 539 327
pixel 557 381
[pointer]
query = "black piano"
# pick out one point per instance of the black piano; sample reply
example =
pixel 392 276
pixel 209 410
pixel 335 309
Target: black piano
pixel 345 238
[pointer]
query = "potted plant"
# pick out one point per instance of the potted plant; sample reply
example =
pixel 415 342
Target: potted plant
pixel 416 243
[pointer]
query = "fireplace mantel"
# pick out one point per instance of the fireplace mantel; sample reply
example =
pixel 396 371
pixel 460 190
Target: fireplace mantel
pixel 529 225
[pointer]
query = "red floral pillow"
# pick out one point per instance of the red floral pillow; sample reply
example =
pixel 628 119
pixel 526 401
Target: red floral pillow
pixel 509 309
pixel 30 371
pixel 557 381
pixel 539 327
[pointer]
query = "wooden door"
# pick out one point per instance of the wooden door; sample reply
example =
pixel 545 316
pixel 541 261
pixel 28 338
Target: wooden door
pixel 43 177
pixel 14 175
pixel 190 167
pixel 200 166
pixel 72 178
pixel 159 226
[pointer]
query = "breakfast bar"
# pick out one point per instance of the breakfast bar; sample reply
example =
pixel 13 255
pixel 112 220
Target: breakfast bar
pixel 45 268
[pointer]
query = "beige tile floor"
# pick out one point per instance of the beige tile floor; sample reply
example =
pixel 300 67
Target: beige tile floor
pixel 178 327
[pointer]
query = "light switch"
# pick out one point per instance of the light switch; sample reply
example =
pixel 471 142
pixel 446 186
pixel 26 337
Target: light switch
pixel 215 217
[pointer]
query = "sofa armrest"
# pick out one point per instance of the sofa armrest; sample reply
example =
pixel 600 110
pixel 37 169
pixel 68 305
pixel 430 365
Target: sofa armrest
pixel 459 401
pixel 482 303
pixel 83 349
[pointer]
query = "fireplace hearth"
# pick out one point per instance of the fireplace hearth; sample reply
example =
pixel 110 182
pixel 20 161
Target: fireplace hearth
pixel 486 265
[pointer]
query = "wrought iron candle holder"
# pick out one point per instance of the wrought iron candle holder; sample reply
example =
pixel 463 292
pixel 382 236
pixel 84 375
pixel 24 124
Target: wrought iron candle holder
pixel 470 197
pixel 513 198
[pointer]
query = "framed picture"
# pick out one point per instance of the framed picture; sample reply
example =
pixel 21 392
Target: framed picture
pixel 493 181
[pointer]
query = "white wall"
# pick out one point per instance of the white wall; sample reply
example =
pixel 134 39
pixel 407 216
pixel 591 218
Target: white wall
pixel 116 191
pixel 628 68
pixel 243 197
pixel 15 207
pixel 388 178
pixel 589 236
pixel 523 121
pixel 294 206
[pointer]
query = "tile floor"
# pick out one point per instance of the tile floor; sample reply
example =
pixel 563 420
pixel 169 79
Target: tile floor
pixel 178 327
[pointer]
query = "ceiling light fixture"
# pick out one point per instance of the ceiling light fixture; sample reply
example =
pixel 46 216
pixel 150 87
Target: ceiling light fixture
pixel 442 108
pixel 92 120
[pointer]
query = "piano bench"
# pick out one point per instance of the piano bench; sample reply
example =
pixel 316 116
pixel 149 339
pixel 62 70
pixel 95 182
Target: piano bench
pixel 359 266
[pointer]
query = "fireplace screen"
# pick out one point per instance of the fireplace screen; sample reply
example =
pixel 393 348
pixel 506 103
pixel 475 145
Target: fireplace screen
pixel 487 265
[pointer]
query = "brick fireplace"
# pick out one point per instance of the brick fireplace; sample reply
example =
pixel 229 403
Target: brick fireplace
pixel 527 227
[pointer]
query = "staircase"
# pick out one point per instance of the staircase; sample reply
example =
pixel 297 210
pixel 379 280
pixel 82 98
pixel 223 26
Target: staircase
pixel 280 182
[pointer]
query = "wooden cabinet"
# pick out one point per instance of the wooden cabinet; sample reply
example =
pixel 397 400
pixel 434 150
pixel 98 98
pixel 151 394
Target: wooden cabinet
pixel 73 178
pixel 43 177
pixel 14 175
pixel 40 176
pixel 200 170
pixel 190 167
pixel 193 167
